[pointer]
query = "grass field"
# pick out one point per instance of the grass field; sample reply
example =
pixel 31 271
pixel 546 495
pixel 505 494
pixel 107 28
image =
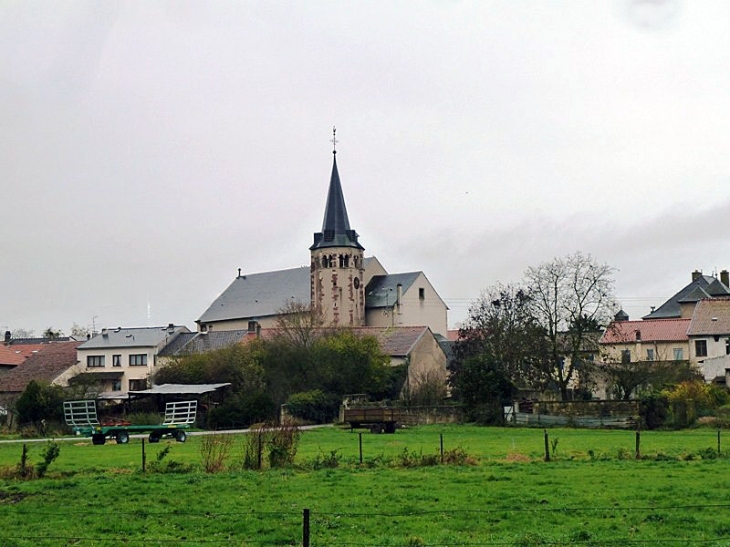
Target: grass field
pixel 593 492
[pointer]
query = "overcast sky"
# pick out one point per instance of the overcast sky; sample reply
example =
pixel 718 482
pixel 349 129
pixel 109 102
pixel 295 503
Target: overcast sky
pixel 150 149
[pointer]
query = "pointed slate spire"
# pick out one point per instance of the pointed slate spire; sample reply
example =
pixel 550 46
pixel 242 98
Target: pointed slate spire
pixel 336 231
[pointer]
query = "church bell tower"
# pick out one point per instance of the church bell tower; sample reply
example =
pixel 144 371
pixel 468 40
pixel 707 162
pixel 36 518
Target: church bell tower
pixel 337 267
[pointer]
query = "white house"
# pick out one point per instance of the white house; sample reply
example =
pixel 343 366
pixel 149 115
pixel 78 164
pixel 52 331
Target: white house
pixel 123 359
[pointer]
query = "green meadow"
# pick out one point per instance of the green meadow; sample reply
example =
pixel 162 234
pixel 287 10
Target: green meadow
pixel 499 491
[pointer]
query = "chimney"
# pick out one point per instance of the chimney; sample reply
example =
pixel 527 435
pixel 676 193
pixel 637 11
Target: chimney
pixel 399 296
pixel 104 332
pixel 8 336
pixel 170 328
pixel 696 275
pixel 725 278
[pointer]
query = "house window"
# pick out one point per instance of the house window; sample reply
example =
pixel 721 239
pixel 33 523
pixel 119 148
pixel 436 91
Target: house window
pixel 625 356
pixel 116 360
pixel 94 361
pixel 649 354
pixel 116 385
pixel 678 354
pixel 252 326
pixel 138 359
pixel 137 385
pixel 422 293
pixel 701 348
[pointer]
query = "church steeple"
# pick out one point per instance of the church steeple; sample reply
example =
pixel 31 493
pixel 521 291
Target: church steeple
pixel 338 265
pixel 336 231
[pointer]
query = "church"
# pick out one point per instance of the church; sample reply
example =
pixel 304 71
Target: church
pixel 344 286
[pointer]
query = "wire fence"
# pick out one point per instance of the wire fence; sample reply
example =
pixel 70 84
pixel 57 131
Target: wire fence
pixel 301 527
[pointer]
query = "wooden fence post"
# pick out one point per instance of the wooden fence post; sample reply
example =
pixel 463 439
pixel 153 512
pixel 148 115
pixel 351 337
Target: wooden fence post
pixel 144 458
pixel 547 447
pixel 305 528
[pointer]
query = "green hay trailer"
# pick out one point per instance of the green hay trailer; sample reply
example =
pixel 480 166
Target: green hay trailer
pixel 81 416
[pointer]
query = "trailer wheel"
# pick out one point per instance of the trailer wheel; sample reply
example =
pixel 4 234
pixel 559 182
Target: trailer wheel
pixel 181 436
pixel 376 428
pixel 98 438
pixel 122 437
pixel 390 427
pixel 155 437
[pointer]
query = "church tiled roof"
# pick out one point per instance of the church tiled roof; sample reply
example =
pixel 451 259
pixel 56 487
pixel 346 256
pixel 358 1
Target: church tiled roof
pixel 259 295
pixel 382 290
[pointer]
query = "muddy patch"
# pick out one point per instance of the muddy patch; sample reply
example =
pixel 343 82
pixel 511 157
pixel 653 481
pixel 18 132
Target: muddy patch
pixel 11 497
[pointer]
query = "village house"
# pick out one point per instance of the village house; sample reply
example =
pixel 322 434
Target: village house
pixel 123 359
pixel 709 336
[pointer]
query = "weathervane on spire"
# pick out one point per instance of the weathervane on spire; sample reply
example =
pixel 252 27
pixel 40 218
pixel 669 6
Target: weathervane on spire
pixel 334 140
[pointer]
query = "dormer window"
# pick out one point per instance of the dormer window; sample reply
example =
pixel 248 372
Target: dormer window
pixel 252 326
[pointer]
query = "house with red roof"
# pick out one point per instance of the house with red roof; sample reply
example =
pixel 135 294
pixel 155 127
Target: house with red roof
pixel 53 363
pixel 626 341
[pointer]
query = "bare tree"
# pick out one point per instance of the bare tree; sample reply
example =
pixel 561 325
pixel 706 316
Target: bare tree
pixel 299 324
pixel 79 332
pixel 570 297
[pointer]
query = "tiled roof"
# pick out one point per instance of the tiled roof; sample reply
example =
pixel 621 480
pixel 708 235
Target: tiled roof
pixel 45 365
pixel 650 330
pixel 10 356
pixel 201 342
pixel 394 341
pixel 140 337
pixel 711 317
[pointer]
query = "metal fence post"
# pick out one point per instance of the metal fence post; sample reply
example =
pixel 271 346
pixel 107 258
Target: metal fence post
pixel 441 436
pixel 305 528
pixel 547 447
pixel 360 442
pixel 638 444
pixel 144 459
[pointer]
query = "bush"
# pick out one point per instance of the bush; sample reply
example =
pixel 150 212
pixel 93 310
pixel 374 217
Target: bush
pixel 654 409
pixel 40 403
pixel 313 406
pixel 214 451
pixel 283 444
pixel 242 410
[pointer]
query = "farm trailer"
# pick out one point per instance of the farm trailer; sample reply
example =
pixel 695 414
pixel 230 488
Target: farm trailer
pixel 81 416
pixel 377 419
